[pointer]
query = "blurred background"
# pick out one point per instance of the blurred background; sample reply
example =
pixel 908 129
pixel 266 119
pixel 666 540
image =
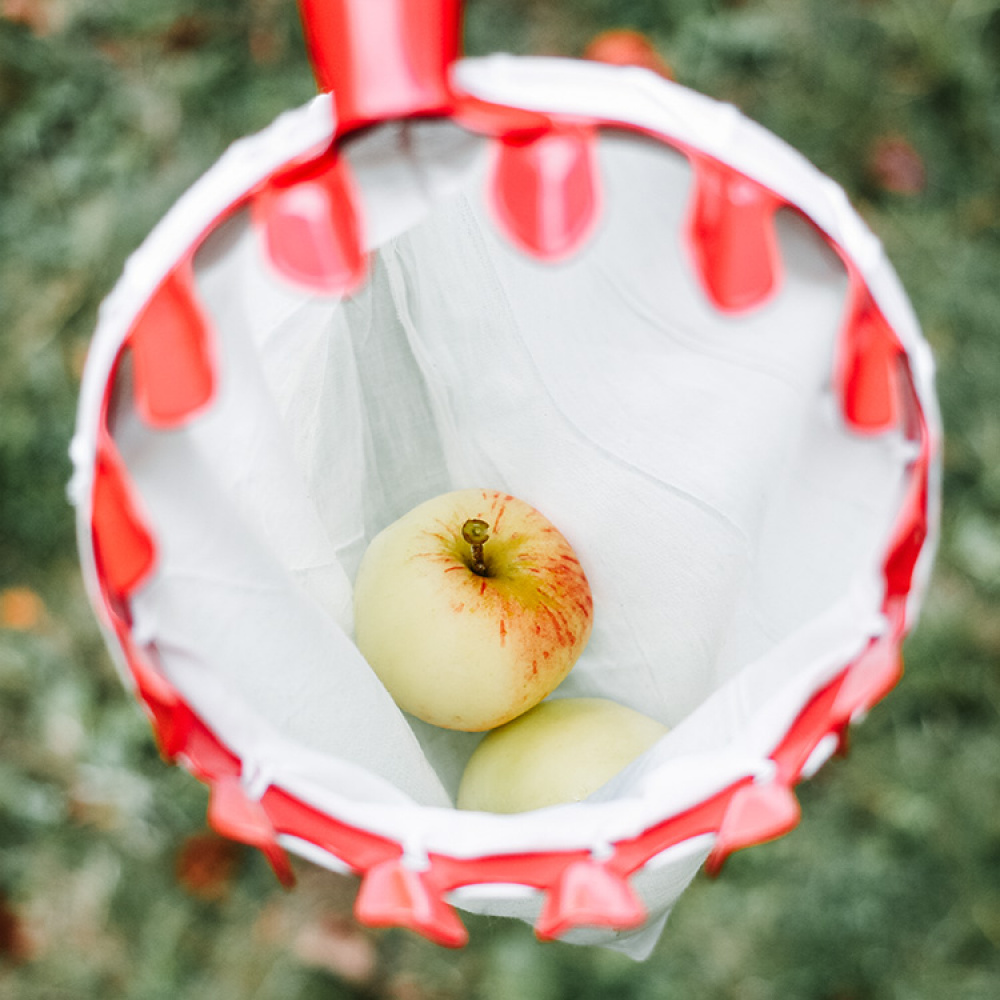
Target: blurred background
pixel 110 883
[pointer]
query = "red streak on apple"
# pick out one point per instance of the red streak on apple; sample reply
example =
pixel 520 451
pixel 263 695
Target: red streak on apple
pixel 500 514
pixel 543 588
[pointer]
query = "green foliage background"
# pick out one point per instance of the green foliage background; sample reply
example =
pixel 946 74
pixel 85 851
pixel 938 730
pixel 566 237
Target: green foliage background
pixel 890 887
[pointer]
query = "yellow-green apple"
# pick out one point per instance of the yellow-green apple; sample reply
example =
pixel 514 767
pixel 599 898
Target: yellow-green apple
pixel 560 751
pixel 471 609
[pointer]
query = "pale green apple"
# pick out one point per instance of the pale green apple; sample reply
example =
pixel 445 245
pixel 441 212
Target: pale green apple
pixel 471 609
pixel 560 751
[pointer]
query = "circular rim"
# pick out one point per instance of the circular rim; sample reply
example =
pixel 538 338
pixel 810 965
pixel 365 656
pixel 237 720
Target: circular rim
pixel 412 859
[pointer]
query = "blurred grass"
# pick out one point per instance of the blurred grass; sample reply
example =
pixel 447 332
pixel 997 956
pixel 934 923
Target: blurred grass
pixel 890 887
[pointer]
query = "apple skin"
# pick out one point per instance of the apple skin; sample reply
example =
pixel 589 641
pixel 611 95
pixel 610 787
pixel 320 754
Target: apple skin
pixel 624 47
pixel 560 751
pixel 462 650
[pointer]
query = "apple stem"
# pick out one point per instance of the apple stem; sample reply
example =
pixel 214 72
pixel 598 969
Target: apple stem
pixel 476 532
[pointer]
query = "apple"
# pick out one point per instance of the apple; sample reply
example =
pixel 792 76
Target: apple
pixel 560 751
pixel 471 609
pixel 625 47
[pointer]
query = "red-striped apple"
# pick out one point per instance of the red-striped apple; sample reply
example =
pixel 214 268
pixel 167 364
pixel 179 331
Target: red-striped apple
pixel 471 609
pixel 560 751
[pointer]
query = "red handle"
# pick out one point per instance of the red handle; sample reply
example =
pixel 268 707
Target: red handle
pixel 383 59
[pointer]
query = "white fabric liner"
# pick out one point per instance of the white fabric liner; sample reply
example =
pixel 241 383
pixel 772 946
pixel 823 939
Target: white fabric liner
pixel 732 528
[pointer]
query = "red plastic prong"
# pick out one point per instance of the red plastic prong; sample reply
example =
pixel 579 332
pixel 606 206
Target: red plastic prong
pixel 869 679
pixel 383 59
pixel 172 350
pixel 311 227
pixel 869 365
pixel 589 894
pixel 123 545
pixel 757 812
pixel 814 725
pixel 171 724
pixel 233 814
pixel 546 190
pixel 169 716
pixel 908 541
pixel 731 236
pixel 393 894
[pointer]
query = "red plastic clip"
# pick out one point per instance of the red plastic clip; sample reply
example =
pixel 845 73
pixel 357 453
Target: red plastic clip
pixel 169 716
pixel 870 678
pixel 732 237
pixel 907 544
pixel 171 343
pixel 546 191
pixel 123 545
pixel 383 59
pixel 393 894
pixel 757 812
pixel 311 226
pixel 233 814
pixel 814 724
pixel 588 893
pixel 870 353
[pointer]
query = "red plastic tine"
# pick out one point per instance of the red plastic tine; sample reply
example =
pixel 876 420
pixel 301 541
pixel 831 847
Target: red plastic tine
pixel 124 548
pixel 869 365
pixel 546 191
pixel 312 226
pixel 395 895
pixel 732 238
pixel 173 350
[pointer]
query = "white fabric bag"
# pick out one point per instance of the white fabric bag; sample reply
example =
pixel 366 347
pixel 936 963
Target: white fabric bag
pixel 756 545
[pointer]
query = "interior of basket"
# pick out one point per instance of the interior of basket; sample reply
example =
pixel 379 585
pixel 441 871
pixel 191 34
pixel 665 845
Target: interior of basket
pixel 694 458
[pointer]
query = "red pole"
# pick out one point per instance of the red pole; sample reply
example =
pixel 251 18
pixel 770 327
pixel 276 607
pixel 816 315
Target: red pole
pixel 383 59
